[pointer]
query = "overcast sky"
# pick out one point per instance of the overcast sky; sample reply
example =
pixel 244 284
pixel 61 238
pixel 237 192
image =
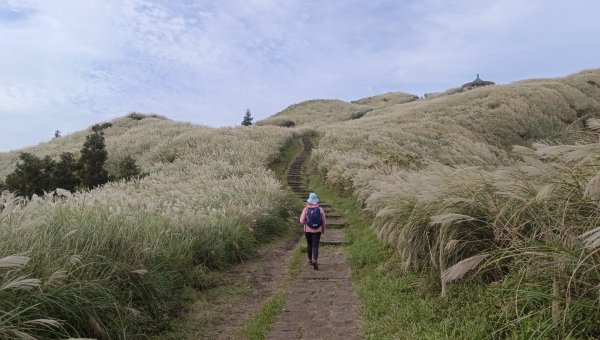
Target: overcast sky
pixel 67 64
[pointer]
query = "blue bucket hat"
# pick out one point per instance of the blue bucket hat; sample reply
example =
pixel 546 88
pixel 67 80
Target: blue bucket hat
pixel 312 198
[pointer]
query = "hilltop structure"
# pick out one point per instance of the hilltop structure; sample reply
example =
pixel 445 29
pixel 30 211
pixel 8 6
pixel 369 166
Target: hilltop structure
pixel 476 83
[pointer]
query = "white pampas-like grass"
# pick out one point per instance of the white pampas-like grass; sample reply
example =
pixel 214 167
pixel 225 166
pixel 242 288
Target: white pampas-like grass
pixel 449 218
pixel 458 270
pixel 591 238
pixel 22 283
pixel 592 188
pixel 13 261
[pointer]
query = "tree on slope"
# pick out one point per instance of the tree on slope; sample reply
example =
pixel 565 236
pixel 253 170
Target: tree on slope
pixel 247 118
pixel 65 172
pixel 91 163
pixel 32 175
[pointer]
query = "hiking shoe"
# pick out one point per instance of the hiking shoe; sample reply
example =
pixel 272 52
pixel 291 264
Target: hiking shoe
pixel 315 266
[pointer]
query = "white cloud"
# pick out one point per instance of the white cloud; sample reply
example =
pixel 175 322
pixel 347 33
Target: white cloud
pixel 207 61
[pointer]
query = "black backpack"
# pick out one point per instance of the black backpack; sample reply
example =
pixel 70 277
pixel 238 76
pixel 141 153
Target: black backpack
pixel 314 219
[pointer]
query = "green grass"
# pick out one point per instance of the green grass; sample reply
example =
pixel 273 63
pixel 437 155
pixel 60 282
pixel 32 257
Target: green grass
pixel 296 260
pixel 258 326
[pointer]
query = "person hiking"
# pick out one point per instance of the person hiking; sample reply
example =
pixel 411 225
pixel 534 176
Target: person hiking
pixel 313 221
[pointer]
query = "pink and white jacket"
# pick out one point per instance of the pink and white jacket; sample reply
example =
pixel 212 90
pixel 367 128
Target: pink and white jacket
pixel 307 229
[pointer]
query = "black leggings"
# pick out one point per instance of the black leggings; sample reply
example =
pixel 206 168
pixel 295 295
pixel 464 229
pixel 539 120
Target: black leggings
pixel 312 245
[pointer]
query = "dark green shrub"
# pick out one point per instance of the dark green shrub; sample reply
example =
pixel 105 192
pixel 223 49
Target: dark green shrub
pixel 158 116
pixel 494 105
pixel 136 116
pixel 359 114
pixel 286 123
pixel 101 127
pixel 127 169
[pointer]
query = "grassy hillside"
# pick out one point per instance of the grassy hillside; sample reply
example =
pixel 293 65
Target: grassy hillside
pixel 110 263
pixel 442 183
pixel 487 197
pixel 319 112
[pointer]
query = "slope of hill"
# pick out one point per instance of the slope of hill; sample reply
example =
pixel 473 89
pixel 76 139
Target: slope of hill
pixel 141 139
pixel 442 185
pixel 124 250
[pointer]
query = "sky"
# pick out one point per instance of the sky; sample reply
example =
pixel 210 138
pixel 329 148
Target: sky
pixel 68 64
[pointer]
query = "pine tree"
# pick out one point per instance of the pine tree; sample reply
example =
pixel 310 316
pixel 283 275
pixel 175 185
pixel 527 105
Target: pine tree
pixel 91 163
pixel 65 172
pixel 32 175
pixel 247 118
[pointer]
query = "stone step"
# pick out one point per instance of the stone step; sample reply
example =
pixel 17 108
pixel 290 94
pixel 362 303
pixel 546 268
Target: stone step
pixel 335 220
pixel 333 237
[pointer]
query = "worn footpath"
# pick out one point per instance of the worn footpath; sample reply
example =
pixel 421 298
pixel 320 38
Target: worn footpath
pixel 321 304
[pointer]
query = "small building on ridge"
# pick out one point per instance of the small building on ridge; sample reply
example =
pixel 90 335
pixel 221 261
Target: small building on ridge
pixel 476 83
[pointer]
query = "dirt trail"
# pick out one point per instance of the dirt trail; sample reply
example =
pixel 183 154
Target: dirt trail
pixel 263 277
pixel 321 304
